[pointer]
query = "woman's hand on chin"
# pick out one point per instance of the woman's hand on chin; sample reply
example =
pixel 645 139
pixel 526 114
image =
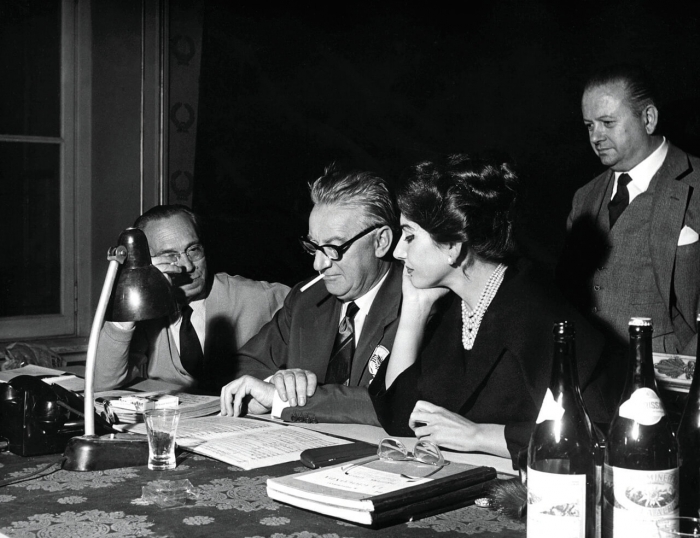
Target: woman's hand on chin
pixel 419 300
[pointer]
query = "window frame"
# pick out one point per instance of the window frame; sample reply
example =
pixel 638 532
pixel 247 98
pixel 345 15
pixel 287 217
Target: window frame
pixel 99 196
pixel 72 164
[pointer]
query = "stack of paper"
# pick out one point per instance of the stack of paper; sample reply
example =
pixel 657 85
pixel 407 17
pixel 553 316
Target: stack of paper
pixel 377 492
pixel 127 407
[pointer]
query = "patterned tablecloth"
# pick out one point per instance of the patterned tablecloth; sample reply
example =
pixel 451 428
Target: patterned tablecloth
pixel 230 502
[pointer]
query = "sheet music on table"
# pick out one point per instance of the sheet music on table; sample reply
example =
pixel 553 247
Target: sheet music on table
pixel 245 442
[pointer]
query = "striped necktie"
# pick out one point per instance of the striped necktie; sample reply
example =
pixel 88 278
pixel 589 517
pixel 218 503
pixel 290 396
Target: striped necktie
pixel 343 348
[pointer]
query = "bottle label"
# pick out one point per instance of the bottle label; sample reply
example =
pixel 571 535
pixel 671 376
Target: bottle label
pixel 644 406
pixel 633 500
pixel 551 409
pixel 556 504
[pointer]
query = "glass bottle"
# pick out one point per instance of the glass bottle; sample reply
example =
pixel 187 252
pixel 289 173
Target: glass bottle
pixel 689 445
pixel 562 478
pixel 640 475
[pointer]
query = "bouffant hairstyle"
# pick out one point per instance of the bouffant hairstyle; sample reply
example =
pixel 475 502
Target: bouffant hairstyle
pixel 465 200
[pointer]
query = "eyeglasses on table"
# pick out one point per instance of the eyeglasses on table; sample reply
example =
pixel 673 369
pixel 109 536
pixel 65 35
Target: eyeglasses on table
pixel 391 449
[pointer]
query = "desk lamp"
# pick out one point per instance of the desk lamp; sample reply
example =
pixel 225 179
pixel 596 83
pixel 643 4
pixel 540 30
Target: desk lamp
pixel 141 292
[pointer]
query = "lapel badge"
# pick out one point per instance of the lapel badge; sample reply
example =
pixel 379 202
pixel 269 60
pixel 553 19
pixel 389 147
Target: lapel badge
pixel 375 361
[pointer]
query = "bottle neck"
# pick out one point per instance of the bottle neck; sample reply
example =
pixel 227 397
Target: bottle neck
pixel 641 362
pixel 564 373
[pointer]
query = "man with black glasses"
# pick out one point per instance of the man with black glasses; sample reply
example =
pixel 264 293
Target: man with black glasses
pixel 217 315
pixel 335 332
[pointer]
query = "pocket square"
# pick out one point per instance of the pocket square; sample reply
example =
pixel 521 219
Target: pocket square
pixel 688 236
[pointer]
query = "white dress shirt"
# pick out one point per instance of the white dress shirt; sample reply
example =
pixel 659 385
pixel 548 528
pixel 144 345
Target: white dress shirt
pixel 198 320
pixel 363 303
pixel 642 173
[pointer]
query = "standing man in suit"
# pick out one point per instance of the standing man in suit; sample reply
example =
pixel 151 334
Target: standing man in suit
pixel 632 246
pixel 337 331
pixel 217 315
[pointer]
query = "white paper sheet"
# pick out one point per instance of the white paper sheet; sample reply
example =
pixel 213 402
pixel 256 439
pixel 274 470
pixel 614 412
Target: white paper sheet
pixel 29 369
pixel 361 480
pixel 68 382
pixel 246 443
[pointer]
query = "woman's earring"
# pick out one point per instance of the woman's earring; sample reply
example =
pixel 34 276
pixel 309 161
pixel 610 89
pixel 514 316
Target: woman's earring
pixel 449 261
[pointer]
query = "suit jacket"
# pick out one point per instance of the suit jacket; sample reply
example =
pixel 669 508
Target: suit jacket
pixel 236 308
pixel 676 204
pixel 301 335
pixel 503 379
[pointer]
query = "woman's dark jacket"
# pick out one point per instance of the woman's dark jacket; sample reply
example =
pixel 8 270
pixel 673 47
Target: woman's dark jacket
pixel 503 379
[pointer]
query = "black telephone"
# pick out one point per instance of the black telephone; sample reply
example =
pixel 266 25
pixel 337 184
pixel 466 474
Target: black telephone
pixel 38 418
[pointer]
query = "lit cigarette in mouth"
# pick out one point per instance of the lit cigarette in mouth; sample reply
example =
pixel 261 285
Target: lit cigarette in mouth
pixel 309 284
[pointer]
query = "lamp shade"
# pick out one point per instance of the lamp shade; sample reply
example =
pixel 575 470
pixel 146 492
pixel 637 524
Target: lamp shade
pixel 141 291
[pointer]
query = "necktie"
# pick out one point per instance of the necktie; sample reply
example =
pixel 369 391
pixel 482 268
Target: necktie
pixel 343 349
pixel 191 354
pixel 621 199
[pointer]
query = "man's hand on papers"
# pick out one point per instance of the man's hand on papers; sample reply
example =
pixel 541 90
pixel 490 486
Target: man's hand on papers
pixel 294 385
pixel 257 393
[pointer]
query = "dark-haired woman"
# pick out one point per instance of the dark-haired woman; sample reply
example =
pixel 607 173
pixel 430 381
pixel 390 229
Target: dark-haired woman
pixel 472 355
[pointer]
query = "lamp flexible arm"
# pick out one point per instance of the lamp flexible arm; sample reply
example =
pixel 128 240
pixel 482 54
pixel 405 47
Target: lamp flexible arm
pixel 97 323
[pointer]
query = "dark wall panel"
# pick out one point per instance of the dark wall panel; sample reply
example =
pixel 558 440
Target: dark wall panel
pixel 116 113
pixel 283 93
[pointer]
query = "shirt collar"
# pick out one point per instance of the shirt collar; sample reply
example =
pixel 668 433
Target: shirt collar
pixel 364 303
pixel 643 173
pixel 199 310
pixel 198 307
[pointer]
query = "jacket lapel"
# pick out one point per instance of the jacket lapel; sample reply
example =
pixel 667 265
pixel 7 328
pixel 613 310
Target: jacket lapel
pixel 444 360
pixel 670 201
pixel 489 346
pixel 384 310
pixel 461 373
pixel 323 320
pixel 599 196
pixel 447 365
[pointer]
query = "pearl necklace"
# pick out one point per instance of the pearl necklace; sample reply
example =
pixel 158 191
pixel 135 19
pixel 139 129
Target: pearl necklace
pixel 471 319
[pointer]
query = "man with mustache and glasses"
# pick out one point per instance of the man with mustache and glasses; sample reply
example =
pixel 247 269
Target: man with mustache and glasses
pixel 632 247
pixel 218 313
pixel 335 332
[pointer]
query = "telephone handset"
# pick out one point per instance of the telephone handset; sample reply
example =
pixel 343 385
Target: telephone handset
pixel 38 418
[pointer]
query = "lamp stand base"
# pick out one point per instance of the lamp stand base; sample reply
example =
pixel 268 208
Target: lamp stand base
pixel 96 453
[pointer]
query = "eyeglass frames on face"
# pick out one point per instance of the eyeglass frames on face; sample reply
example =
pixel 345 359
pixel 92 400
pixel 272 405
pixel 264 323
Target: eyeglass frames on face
pixel 334 252
pixel 391 449
pixel 193 253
